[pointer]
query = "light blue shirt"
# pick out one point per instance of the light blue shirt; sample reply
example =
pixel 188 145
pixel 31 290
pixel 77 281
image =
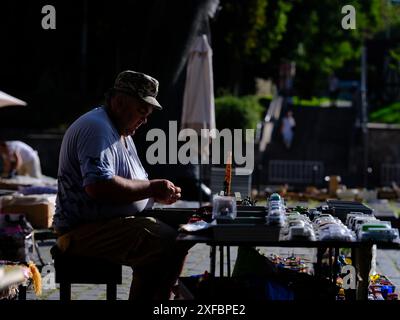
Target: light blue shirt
pixel 92 151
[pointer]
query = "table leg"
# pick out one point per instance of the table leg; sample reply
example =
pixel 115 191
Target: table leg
pixel 228 260
pixel 363 256
pixel 213 257
pixel 330 253
pixel 21 292
pixel 65 291
pixel 336 264
pixel 318 269
pixel 111 291
pixel 221 261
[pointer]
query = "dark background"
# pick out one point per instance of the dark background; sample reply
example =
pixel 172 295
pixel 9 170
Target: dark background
pixel 65 72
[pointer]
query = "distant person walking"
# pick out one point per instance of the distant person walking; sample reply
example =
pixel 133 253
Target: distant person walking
pixel 288 123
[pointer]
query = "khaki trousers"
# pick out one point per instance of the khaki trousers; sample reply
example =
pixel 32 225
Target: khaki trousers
pixel 147 245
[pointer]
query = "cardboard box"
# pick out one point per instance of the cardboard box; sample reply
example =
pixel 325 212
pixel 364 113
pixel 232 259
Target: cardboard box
pixel 40 216
pixel 39 210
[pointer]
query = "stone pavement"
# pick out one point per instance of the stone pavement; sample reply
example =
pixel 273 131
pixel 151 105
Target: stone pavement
pixel 388 263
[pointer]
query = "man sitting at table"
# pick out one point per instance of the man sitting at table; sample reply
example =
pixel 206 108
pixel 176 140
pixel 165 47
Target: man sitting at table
pixel 102 185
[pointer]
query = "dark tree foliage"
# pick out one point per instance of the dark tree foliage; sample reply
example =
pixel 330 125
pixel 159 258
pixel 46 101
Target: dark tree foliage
pixel 253 37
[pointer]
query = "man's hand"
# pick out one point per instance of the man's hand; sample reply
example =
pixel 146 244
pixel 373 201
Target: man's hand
pixel 164 191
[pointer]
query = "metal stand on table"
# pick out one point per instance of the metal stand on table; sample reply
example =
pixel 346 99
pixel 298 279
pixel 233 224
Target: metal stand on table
pixel 213 260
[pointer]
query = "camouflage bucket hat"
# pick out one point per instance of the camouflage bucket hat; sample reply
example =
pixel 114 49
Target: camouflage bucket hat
pixel 139 84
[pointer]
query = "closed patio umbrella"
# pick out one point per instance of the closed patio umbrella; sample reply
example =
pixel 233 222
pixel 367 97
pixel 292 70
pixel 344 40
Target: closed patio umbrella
pixel 198 100
pixel 198 110
pixel 7 100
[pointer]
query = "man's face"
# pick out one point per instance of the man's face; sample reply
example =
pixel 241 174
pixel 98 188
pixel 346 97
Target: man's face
pixel 129 113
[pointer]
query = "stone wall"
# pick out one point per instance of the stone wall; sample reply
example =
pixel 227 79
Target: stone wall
pixel 384 146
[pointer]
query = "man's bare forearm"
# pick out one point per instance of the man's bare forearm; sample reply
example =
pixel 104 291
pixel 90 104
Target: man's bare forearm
pixel 120 190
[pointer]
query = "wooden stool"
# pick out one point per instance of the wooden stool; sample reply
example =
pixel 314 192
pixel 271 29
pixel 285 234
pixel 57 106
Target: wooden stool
pixel 76 269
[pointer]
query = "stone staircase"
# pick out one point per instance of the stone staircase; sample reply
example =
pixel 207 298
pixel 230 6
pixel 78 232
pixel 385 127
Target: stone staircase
pixel 321 134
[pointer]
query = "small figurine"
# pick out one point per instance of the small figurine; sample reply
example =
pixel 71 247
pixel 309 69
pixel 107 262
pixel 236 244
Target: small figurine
pixel 224 212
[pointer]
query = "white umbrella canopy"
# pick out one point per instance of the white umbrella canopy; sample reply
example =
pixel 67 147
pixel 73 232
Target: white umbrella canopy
pixel 7 100
pixel 198 99
pixel 198 111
